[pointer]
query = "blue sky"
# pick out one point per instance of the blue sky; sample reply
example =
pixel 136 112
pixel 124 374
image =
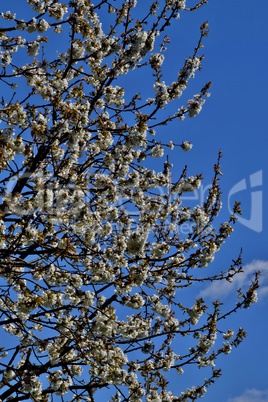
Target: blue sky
pixel 235 120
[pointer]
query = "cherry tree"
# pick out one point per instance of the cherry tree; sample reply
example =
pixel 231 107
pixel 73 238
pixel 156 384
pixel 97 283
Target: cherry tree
pixel 96 275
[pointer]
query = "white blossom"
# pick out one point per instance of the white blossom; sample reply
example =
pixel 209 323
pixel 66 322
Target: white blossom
pixel 157 151
pixel 186 146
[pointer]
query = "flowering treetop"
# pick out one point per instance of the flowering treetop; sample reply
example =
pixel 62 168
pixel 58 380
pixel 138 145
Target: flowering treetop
pixel 94 266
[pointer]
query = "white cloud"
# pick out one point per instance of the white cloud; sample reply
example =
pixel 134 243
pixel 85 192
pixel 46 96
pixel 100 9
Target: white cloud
pixel 251 395
pixel 224 288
